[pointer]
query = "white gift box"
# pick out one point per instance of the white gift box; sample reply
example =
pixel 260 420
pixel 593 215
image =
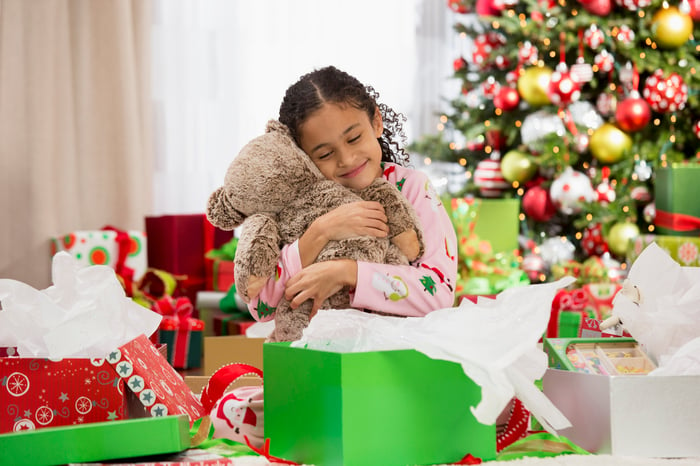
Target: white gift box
pixel 633 415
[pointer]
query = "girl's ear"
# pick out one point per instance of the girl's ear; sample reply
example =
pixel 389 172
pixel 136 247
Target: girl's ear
pixel 377 123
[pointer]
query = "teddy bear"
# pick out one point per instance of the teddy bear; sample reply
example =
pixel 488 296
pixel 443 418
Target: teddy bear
pixel 273 191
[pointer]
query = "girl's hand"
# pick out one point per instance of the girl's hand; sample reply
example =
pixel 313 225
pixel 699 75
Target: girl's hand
pixel 319 281
pixel 362 218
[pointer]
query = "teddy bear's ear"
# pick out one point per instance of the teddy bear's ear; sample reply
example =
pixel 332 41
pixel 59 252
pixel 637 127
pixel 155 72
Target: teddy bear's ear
pixel 220 213
pixel 278 126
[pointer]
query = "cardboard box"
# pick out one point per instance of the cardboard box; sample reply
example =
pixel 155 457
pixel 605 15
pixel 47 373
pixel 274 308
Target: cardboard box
pixel 373 408
pixel 219 351
pixel 95 442
pixel 39 393
pixel 197 382
pixel 641 415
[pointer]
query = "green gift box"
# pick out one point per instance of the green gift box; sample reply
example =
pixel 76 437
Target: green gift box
pixel 677 190
pixel 493 219
pixel 97 441
pixel 370 408
pixel 683 249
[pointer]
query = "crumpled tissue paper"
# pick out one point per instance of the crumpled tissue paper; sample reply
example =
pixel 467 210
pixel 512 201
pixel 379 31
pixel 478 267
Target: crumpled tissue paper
pixel 494 340
pixel 659 305
pixel 84 314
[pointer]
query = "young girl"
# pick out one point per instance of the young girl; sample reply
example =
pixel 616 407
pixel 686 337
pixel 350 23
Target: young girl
pixel 351 138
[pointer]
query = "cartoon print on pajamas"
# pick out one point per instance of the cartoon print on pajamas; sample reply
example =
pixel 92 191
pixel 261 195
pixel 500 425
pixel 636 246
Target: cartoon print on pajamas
pixel 433 195
pixel 394 288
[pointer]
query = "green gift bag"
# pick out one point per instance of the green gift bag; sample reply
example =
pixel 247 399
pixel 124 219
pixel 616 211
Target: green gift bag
pixel 677 191
pixel 372 408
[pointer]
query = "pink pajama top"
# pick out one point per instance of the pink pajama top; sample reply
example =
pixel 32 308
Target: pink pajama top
pixel 414 290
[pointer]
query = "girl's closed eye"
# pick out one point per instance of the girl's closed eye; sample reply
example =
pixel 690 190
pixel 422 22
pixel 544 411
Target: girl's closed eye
pixel 355 139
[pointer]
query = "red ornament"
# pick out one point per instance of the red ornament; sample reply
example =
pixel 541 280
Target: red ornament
pixel 490 87
pixel 528 54
pixel 484 45
pixel 489 7
pixel 665 94
pixel 592 242
pixel 537 204
pixel 604 61
pixel 696 129
pixel 489 179
pixel 633 113
pixel 597 7
pixel 634 5
pixel 458 6
pixel 594 37
pixel 694 9
pixel 460 64
pixel 605 192
pixel 563 88
pixel 507 98
pixel 625 35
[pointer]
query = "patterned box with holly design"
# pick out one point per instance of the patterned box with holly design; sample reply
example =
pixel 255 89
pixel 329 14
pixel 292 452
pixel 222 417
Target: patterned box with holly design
pixel 147 373
pixel 121 250
pixel 683 249
pixel 37 393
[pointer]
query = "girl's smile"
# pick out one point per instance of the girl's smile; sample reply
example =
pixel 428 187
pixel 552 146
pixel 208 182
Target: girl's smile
pixel 342 142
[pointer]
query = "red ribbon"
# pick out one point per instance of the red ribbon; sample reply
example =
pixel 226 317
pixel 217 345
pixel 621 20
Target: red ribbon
pixel 676 222
pixel 176 314
pixel 221 379
pixel 124 246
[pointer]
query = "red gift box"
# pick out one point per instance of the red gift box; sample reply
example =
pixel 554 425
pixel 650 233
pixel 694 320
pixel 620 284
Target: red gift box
pixel 220 275
pixel 593 300
pixel 182 333
pixel 156 383
pixel 37 393
pixel 178 244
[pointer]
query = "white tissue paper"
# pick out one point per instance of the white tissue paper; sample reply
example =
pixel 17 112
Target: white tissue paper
pixel 84 314
pixel 494 340
pixel 659 305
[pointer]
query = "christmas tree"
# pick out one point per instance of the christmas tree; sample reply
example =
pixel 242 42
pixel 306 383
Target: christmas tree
pixel 571 106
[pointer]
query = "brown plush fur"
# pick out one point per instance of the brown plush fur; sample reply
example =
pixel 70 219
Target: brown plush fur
pixel 273 189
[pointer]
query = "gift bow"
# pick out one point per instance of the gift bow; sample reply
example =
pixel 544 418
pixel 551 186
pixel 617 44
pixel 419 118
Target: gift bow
pixel 123 246
pixel 176 314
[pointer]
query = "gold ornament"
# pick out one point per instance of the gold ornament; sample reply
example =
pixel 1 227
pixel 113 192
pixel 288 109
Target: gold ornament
pixel 620 235
pixel 608 143
pixel 517 166
pixel 671 28
pixel 533 84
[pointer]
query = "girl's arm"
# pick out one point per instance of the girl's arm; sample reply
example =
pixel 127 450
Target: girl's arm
pixel 429 283
pixel 348 220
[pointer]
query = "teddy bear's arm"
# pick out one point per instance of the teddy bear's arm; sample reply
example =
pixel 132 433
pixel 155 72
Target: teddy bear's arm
pixel 404 226
pixel 257 254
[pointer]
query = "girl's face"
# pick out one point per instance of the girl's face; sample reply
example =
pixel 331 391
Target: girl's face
pixel 342 142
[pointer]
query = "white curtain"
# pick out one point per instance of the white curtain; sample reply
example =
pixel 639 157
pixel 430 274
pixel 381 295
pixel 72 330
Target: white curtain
pixel 221 68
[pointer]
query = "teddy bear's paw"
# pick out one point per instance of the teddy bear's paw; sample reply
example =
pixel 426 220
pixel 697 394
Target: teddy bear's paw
pixel 408 243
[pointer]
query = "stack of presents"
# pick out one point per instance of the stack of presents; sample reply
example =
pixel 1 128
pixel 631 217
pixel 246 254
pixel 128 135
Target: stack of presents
pixel 618 373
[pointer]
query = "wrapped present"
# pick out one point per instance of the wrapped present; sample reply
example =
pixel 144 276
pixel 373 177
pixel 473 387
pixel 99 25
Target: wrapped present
pixel 179 244
pixel 363 409
pixel 487 235
pixel 182 333
pixel 220 266
pixel 156 383
pixel 683 249
pixel 570 308
pixel 676 194
pixel 124 251
pixel 100 441
pixel 495 219
pixel 38 393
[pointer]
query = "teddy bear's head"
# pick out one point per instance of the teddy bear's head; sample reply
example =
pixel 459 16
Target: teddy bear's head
pixel 268 172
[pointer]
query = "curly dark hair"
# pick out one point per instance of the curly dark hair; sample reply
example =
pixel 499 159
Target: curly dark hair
pixel 331 85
